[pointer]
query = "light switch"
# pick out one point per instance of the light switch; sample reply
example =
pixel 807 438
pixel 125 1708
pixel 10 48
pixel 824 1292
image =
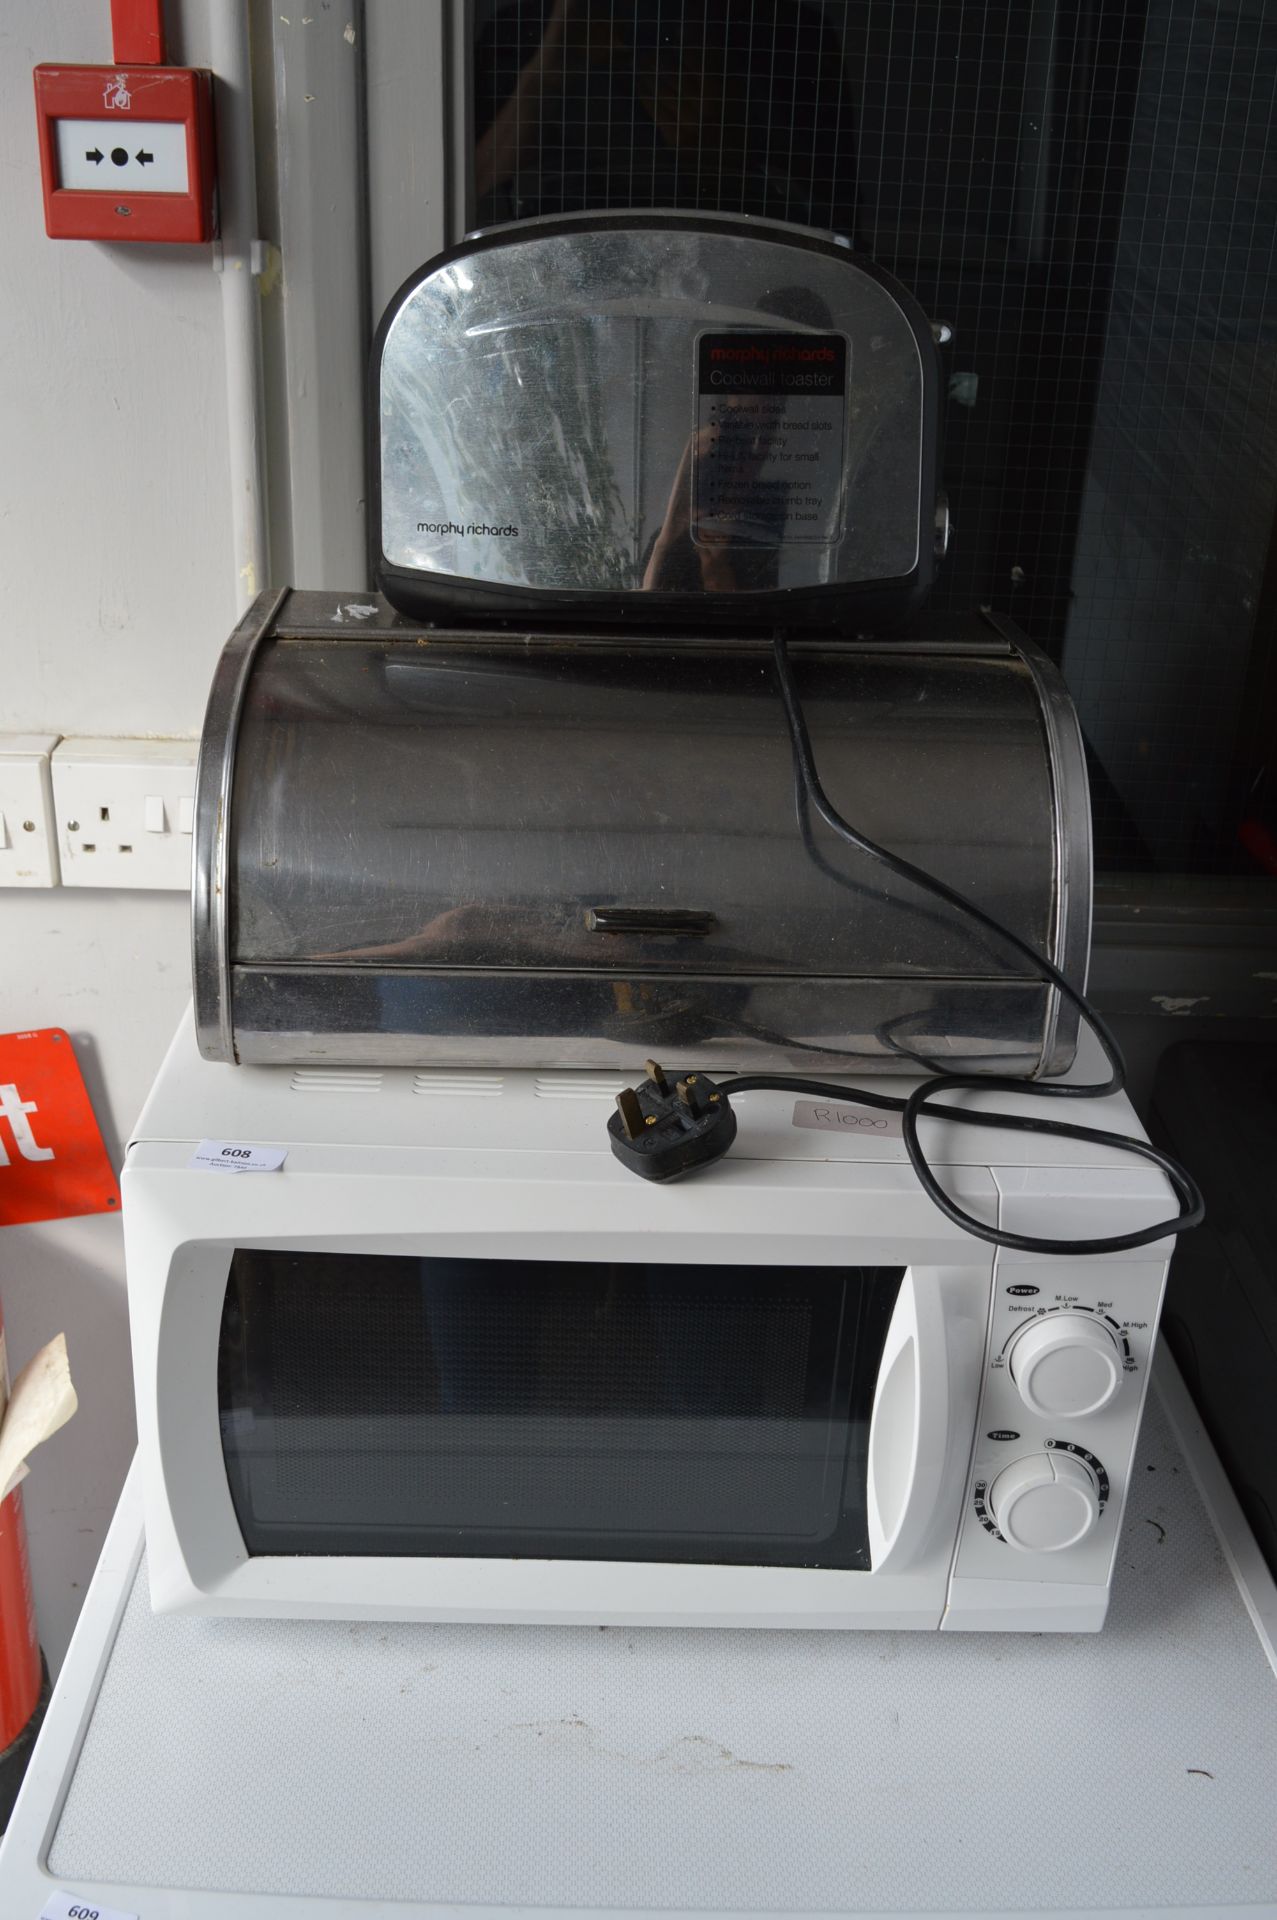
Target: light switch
pixel 153 813
pixel 186 814
pixel 28 843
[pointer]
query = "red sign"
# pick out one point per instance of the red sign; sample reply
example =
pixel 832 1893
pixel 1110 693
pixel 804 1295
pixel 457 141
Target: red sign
pixel 52 1160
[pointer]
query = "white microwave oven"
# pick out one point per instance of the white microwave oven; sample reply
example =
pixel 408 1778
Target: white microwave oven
pixel 450 1361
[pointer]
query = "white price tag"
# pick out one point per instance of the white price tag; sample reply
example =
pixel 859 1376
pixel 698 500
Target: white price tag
pixel 845 1117
pixel 75 1906
pixel 236 1156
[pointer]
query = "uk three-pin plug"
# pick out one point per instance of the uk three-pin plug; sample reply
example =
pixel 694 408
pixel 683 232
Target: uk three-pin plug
pixel 662 1130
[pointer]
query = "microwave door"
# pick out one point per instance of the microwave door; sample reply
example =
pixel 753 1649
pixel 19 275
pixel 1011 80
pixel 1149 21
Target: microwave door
pixel 924 1411
pixel 513 1409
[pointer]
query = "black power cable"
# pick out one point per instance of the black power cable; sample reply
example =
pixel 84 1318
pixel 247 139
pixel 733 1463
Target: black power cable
pixel 921 1102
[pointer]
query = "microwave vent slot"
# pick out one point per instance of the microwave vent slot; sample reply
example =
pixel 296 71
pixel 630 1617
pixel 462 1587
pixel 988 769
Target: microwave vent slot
pixel 459 1086
pixel 335 1080
pixel 578 1086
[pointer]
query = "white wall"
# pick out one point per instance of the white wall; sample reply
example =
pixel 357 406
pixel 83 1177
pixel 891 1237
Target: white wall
pixel 116 593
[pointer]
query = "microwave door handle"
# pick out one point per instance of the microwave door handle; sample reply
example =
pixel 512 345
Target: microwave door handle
pixel 909 1427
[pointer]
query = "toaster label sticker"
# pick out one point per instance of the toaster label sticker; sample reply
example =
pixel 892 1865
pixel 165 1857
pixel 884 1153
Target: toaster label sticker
pixel 828 1118
pixel 236 1156
pixel 770 438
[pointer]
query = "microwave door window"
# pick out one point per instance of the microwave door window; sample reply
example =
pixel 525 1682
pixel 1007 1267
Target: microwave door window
pixel 375 1404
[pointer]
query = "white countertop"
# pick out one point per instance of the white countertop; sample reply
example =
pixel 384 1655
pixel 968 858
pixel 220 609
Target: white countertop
pixel 232 1769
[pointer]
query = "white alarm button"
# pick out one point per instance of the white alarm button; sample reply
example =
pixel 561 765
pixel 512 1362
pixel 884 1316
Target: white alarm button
pixel 1045 1502
pixel 121 154
pixel 1066 1366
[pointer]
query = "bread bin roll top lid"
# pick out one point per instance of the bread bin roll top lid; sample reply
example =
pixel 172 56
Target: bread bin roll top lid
pixel 404 836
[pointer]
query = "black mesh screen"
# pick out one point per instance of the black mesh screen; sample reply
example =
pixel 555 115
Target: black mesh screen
pixel 1088 194
pixel 386 1405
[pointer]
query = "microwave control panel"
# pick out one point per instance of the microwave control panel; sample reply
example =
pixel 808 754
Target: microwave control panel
pixel 1066 1371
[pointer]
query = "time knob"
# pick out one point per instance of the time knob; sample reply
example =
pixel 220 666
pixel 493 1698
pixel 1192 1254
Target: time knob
pixel 1045 1502
pixel 1066 1365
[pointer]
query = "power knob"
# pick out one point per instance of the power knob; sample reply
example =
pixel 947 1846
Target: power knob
pixel 1045 1502
pixel 1066 1366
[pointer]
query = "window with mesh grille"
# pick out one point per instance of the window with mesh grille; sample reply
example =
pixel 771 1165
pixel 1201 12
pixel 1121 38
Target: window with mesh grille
pixel 1087 193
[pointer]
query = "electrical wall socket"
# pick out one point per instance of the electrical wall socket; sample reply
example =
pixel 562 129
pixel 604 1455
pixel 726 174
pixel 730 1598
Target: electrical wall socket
pixel 28 837
pixel 125 812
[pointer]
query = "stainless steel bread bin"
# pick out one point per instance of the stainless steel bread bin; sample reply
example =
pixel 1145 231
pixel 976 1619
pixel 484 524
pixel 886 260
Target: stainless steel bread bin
pixel 442 849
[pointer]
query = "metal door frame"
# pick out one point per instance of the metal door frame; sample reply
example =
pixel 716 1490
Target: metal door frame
pixel 355 121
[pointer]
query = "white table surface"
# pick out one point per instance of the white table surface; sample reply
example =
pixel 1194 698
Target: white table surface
pixel 228 1770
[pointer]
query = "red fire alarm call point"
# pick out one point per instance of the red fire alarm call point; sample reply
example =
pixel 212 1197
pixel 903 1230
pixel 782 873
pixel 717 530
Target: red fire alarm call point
pixel 126 151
